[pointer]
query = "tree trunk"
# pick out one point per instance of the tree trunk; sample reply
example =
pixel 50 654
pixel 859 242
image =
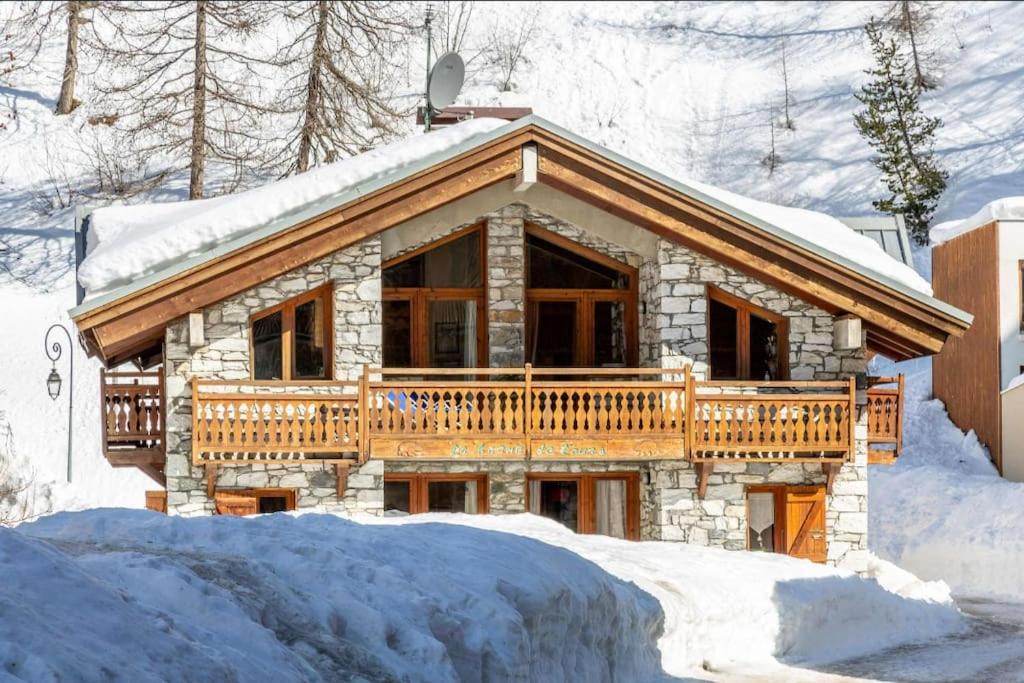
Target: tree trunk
pixel 66 100
pixel 195 188
pixel 909 24
pixel 313 89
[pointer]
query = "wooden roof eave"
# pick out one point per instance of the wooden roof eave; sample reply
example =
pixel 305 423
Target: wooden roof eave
pixel 649 180
pixel 731 241
pixel 129 321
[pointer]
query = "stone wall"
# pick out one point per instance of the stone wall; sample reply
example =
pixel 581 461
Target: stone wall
pixel 682 321
pixel 355 274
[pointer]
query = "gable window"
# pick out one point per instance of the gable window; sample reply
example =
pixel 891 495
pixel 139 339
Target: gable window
pixel 433 304
pixel 292 341
pixel 581 305
pixel 745 342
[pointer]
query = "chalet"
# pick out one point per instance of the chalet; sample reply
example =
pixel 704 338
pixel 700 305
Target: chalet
pixel 978 264
pixel 502 317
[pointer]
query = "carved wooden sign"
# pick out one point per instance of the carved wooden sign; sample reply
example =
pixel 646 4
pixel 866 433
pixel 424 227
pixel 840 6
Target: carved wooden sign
pixel 433 448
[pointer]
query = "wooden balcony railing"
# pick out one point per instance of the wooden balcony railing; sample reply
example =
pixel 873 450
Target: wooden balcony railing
pixel 778 420
pixel 273 421
pixel 132 410
pixel 133 420
pixel 521 413
pixel 885 419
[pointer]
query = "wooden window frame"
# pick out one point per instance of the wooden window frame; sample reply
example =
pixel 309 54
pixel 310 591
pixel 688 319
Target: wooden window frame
pixel 287 310
pixel 744 310
pixel 419 488
pixel 585 298
pixel 779 491
pixel 288 494
pixel 586 497
pixel 419 299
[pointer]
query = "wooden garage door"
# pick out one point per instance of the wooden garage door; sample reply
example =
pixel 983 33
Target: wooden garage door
pixel 805 522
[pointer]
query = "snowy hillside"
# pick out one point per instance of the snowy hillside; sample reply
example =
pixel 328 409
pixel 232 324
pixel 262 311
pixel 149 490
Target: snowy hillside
pixel 425 598
pixel 687 88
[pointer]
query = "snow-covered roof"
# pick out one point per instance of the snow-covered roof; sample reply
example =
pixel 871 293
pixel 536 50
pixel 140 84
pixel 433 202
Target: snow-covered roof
pixel 132 247
pixel 1005 209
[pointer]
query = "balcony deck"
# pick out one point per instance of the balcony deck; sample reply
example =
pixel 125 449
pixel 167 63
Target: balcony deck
pixel 522 414
pixel 133 420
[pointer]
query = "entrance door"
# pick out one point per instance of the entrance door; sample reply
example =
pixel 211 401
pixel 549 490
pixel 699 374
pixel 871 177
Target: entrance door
pixel 805 523
pixel 606 503
pixel 787 519
pixel 581 305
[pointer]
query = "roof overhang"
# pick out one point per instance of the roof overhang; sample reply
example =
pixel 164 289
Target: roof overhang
pixel 901 322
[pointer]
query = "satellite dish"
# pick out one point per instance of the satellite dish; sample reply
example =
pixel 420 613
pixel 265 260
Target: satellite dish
pixel 445 81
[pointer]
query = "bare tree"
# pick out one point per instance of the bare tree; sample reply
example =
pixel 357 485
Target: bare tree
pixel 787 121
pixel 185 84
pixel 913 19
pixel 345 77
pixel 30 25
pixel 771 160
pixel 509 42
pixel 451 27
pixel 21 499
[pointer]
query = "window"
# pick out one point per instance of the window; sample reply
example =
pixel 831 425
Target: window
pixel 293 341
pixel 788 520
pixel 417 493
pixel 606 503
pixel 241 502
pixel 433 306
pixel 584 302
pixel 746 342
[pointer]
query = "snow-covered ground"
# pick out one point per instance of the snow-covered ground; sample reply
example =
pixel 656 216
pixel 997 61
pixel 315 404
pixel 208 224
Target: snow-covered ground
pixel 942 511
pixel 426 598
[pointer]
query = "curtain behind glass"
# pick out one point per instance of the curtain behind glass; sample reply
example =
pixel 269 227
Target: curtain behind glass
pixel 470 507
pixel 610 507
pixel 535 496
pixel 761 520
pixel 452 334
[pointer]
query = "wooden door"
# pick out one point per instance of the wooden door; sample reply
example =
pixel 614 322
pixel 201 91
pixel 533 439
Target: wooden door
pixel 805 522
pixel 235 504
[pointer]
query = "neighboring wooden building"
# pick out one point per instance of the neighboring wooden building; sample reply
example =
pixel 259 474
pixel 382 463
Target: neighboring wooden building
pixel 980 270
pixel 526 321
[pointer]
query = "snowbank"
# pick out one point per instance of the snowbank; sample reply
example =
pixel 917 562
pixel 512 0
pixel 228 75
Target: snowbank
pixel 315 597
pixel 1007 208
pixel 942 511
pixel 129 241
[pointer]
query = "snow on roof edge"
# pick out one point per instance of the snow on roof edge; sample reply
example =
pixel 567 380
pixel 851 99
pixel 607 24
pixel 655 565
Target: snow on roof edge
pixel 1003 209
pixel 398 174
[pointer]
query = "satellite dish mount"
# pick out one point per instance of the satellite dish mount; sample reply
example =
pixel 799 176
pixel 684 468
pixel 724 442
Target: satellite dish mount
pixel 444 80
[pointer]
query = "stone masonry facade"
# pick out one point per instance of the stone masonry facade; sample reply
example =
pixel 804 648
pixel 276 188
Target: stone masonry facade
pixel 673 334
pixel 355 275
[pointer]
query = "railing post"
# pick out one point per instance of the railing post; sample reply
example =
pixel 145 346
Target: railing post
pixel 195 421
pixel 364 415
pixel 899 415
pixel 687 389
pixel 528 408
pixel 104 417
pixel 162 403
pixel 851 451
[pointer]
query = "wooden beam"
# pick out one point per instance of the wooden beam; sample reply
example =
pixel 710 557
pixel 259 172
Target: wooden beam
pixel 341 469
pixel 211 480
pixel 527 175
pixel 765 265
pixel 704 470
pixel 831 469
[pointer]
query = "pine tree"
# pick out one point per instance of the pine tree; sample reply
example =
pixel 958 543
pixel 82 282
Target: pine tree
pixel 902 136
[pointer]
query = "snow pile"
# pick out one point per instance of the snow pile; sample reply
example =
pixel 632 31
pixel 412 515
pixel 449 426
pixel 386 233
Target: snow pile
pixel 129 241
pixel 942 511
pixel 315 597
pixel 1005 209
